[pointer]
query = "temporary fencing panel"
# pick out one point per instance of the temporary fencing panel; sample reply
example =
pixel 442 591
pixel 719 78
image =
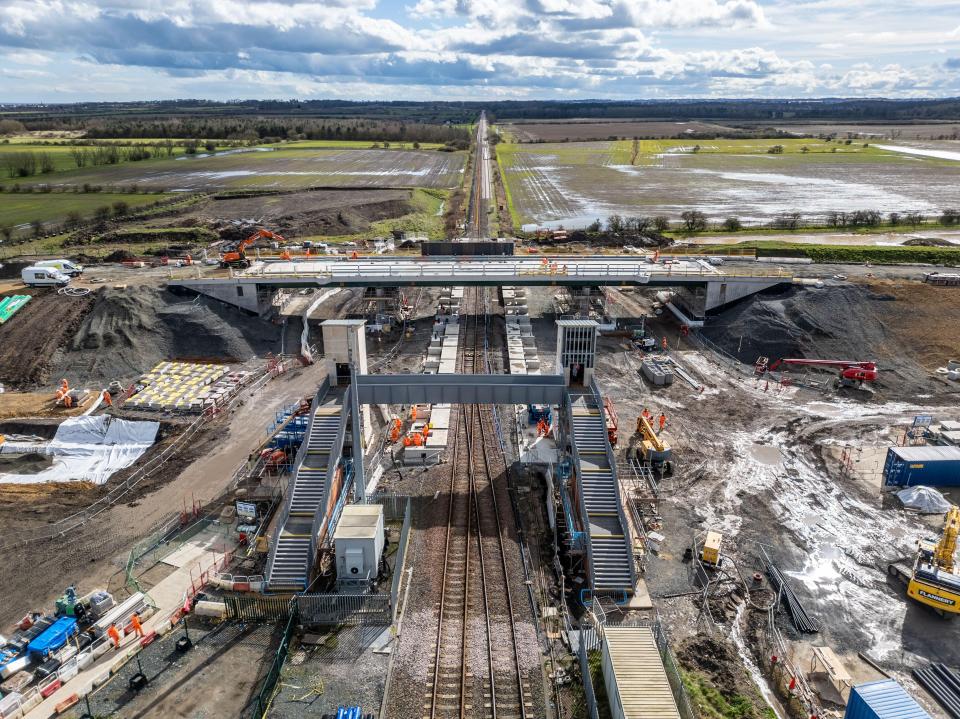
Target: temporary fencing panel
pixel 258 609
pixel 367 609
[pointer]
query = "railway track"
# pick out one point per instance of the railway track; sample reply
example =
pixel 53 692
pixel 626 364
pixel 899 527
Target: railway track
pixel 477 214
pixel 477 667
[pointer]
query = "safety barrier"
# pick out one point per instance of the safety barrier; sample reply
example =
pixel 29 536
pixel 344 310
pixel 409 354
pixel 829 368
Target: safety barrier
pixel 81 660
pixel 260 704
pixel 349 609
pixel 254 608
pixel 400 558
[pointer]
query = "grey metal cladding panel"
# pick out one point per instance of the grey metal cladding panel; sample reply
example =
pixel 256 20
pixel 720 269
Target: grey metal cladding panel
pixel 459 388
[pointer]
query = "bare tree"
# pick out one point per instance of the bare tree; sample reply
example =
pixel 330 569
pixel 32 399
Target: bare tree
pixel 732 224
pixel 73 219
pixel 661 223
pixel 694 220
pixel 79 155
pixel 950 217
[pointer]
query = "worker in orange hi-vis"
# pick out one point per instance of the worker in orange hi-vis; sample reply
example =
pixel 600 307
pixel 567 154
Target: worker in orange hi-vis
pixel 67 401
pixel 663 421
pixel 646 414
pixel 663 343
pixel 135 623
pixel 107 399
pixel 64 385
pixel 413 413
pixel 114 635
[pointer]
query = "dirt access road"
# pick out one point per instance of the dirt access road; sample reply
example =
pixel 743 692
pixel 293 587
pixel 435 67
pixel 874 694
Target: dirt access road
pixel 91 555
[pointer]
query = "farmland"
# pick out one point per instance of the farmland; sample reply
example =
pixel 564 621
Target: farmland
pixel 282 167
pixel 755 180
pixel 21 209
pixel 578 130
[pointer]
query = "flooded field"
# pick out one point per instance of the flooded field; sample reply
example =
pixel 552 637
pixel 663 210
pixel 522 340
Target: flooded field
pixel 285 168
pixel 574 184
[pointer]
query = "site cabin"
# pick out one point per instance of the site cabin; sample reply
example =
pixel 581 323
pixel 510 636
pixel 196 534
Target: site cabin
pixel 43 277
pixel 65 266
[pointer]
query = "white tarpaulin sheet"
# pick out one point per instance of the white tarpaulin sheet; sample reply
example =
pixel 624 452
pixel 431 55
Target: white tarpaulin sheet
pixel 926 500
pixel 87 448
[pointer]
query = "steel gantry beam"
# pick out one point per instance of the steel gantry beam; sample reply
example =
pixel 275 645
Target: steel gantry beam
pixel 460 389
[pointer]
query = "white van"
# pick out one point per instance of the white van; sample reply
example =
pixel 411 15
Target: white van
pixel 43 277
pixel 715 260
pixel 65 266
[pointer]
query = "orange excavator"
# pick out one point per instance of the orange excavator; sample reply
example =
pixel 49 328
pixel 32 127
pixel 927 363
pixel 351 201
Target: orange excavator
pixel 236 255
pixel 853 373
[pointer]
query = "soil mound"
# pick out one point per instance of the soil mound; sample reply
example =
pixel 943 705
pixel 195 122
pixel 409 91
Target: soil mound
pixel 849 322
pixel 928 242
pixel 130 330
pixel 35 334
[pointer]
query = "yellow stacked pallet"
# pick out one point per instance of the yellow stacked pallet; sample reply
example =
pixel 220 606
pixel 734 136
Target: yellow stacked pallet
pixel 178 386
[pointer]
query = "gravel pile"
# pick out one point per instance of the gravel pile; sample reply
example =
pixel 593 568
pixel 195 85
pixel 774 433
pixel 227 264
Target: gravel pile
pixel 130 330
pixel 848 322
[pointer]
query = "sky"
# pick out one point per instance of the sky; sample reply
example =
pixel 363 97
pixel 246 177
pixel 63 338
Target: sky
pixel 67 51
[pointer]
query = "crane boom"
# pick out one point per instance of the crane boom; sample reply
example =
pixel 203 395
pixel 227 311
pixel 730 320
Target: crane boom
pixel 947 546
pixel 236 256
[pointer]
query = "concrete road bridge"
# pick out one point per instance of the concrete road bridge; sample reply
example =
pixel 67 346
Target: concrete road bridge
pixel 701 287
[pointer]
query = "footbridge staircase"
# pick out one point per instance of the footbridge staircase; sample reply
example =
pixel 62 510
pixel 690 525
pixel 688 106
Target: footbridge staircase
pixel 608 544
pixel 318 467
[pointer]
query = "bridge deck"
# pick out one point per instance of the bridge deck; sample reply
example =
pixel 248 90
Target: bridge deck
pixel 582 270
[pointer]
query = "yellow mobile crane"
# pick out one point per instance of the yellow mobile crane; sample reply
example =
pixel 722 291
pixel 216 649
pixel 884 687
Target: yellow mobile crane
pixel 934 580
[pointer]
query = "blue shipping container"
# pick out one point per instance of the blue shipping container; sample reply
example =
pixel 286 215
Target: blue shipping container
pixel 884 699
pixel 53 638
pixel 930 465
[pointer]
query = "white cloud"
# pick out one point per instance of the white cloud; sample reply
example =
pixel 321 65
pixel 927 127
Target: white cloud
pixel 483 48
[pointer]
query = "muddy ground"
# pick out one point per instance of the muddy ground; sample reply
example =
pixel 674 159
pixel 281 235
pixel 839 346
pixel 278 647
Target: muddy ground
pixel 315 212
pixel 190 685
pixel 760 464
pixel 901 325
pixel 35 333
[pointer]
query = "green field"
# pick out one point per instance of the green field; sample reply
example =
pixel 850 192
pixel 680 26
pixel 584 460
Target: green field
pixel 287 166
pixel 353 144
pixel 61 153
pixel 63 160
pixel 17 210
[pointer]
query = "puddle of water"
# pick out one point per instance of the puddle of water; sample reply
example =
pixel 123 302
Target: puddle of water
pixel 766 454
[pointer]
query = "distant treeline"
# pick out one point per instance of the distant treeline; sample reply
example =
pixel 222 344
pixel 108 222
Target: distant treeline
pixel 254 129
pixel 418 117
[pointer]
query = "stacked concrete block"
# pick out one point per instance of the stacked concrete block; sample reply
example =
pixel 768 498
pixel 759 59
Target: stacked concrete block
pixel 657 371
